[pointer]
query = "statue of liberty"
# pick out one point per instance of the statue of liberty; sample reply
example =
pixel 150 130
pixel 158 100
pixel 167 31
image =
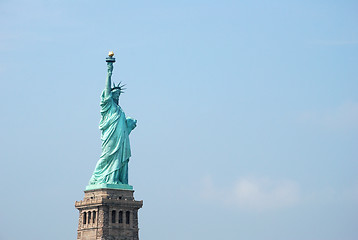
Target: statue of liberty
pixel 112 168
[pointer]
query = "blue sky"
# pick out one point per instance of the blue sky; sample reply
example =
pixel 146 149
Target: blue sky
pixel 247 115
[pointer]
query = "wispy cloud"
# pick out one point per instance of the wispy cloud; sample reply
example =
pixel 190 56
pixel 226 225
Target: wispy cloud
pixel 344 116
pixel 254 193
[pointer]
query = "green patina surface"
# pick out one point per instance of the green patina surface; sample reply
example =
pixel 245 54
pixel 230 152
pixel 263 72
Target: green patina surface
pixel 112 186
pixel 111 170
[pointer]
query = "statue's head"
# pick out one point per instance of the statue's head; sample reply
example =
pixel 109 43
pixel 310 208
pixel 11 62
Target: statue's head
pixel 116 91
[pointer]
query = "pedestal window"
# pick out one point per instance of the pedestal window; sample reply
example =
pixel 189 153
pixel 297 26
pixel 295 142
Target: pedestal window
pixel 127 217
pixel 114 216
pixel 120 217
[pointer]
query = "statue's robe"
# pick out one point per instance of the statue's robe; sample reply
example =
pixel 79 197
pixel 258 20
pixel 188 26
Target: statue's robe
pixel 112 167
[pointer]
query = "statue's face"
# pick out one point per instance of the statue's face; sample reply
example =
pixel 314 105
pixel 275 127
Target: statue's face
pixel 115 94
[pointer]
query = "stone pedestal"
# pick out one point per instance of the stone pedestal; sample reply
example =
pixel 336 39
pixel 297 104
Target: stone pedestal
pixel 108 214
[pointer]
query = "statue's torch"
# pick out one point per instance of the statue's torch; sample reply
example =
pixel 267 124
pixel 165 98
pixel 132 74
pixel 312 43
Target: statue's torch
pixel 110 58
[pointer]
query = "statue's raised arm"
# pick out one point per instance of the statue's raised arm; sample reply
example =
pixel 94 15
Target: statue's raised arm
pixel 110 60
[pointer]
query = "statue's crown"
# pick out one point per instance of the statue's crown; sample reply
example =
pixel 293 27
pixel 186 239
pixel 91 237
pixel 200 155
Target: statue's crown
pixel 119 87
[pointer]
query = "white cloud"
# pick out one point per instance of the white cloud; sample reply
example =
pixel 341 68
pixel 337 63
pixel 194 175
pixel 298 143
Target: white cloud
pixel 254 193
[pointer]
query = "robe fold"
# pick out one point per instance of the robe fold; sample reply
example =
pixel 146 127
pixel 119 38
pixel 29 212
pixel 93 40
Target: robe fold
pixel 112 167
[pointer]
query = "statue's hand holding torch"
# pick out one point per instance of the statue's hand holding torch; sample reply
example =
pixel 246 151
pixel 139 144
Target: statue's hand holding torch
pixel 110 60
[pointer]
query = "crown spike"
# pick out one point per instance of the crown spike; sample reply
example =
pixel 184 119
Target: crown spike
pixel 119 87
